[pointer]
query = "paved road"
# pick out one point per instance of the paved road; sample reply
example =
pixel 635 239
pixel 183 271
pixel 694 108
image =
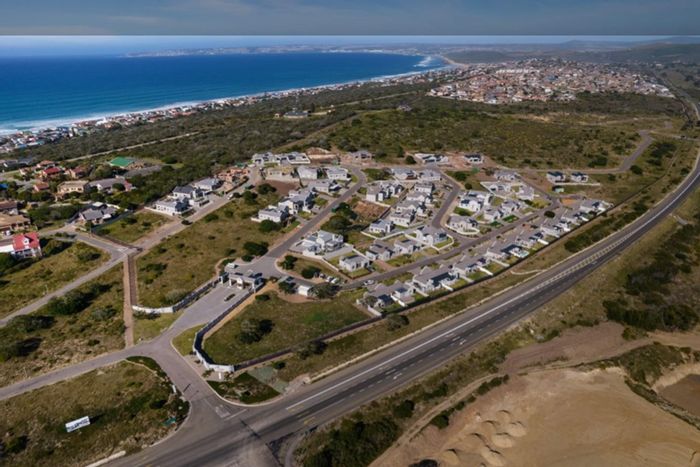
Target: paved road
pixel 376 376
pixel 117 254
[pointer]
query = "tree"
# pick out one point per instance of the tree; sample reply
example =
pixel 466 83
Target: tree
pixel 255 248
pixel 289 262
pixel 286 287
pixel 253 330
pixel 404 409
pixel 267 226
pixel 396 321
pixel 549 214
pixel 410 160
pixel 265 188
pixel 311 348
pixel 310 272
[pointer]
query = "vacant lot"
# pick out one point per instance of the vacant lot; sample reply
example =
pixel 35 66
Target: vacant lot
pixel 437 125
pixel 186 260
pixel 134 226
pixel 83 323
pixel 46 275
pixel 127 403
pixel 291 324
pixel 152 325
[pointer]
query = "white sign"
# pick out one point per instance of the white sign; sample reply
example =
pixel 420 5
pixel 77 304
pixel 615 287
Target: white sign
pixel 76 424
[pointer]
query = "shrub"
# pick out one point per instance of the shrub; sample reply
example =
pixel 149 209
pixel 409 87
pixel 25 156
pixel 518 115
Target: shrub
pixel 267 226
pixel 310 272
pixel 404 409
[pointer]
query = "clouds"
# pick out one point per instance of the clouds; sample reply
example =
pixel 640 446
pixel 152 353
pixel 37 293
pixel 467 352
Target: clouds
pixel 352 17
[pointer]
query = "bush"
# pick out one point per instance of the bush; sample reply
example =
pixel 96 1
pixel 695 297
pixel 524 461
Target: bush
pixel 262 297
pixel 103 314
pixel 267 226
pixel 289 262
pixel 255 248
pixel 441 421
pixel 404 409
pixel 396 321
pixel 311 348
pixel 253 330
pixel 211 217
pixel 637 170
pixel 310 272
pixel 265 189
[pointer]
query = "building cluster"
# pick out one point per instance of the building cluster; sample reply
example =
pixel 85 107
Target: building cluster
pixel 544 80
pixel 295 202
pixel 187 197
pixel 557 177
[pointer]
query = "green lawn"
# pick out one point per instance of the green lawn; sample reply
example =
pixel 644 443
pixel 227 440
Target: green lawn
pixel 293 324
pixel 183 343
pixel 134 226
pixel 127 405
pixel 186 260
pixel 47 339
pixel 47 274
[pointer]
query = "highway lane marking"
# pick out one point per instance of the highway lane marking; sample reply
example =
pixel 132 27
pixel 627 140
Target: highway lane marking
pixel 562 274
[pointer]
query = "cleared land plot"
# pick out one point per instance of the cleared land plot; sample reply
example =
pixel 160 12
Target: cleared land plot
pixel 149 326
pixel 186 260
pixel 244 388
pixel 84 323
pixel 292 324
pixel 47 274
pixel 134 226
pixel 128 406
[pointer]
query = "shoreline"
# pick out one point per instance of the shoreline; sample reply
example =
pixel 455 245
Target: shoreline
pixel 173 110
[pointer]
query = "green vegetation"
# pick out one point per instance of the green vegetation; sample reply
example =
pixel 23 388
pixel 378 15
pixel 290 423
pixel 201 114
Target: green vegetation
pixel 605 227
pixel 83 323
pixel 44 275
pixel 647 301
pixel 441 125
pixel 128 406
pixel 150 325
pixel 285 325
pixel 183 342
pixel 183 262
pixel 244 388
pixel 133 226
pixel 646 364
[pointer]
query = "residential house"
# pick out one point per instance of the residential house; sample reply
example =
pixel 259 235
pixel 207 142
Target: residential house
pixel 379 251
pixel 403 174
pixel 424 187
pixel 187 193
pixel 11 223
pixel 526 193
pixel 41 186
pixel 593 206
pixel 361 156
pixel 78 172
pixel 307 172
pixel 429 280
pixel 23 245
pixel 207 185
pixel 171 207
pixel 353 263
pixel 463 224
pixel 337 173
pixel 107 185
pixel 232 174
pixel 492 215
pixel 430 235
pixel 75 186
pixel 9 207
pixel 97 214
pixel 274 214
pixel 284 173
pixel 406 246
pixel 556 177
pixel 381 227
pixel 402 219
pixel 50 173
pixel 324 186
pixel 468 265
pixel 429 176
pixel 430 158
pixel 506 175
pixel 321 242
pixel 123 163
pixel 474 158
pixel 579 177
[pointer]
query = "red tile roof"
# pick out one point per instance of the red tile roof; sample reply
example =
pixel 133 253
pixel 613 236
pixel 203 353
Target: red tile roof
pixel 25 241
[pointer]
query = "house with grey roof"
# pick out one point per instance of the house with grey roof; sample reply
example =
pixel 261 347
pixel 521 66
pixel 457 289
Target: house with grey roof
pixel 353 263
pixel 429 280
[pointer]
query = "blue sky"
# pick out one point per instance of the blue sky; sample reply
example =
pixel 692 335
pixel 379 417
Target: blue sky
pixel 399 17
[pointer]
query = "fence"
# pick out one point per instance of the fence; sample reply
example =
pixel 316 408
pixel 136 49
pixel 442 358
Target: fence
pixel 179 305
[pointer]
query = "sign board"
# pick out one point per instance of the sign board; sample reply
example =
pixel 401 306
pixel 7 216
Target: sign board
pixel 78 423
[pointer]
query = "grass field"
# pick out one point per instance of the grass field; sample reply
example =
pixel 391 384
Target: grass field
pixel 134 226
pixel 244 388
pixel 127 403
pixel 183 342
pixel 47 274
pixel 186 260
pixel 293 324
pixel 45 340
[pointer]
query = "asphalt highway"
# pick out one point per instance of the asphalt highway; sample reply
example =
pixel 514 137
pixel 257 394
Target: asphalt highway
pixel 241 435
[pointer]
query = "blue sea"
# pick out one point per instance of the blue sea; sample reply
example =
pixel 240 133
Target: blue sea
pixel 42 92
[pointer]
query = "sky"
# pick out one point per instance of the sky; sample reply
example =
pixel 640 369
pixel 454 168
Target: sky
pixel 350 17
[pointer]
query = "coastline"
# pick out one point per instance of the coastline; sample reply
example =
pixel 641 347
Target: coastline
pixel 175 109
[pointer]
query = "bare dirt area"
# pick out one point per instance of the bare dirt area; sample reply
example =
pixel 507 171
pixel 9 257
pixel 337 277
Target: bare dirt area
pixel 685 393
pixel 557 417
pixel 283 188
pixel 368 210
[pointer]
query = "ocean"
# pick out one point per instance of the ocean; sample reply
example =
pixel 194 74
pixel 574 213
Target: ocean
pixel 44 92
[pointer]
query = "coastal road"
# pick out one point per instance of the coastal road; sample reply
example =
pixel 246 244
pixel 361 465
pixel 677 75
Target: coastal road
pixel 390 369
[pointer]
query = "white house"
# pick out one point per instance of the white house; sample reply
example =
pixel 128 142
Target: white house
pixel 424 187
pixel 430 175
pixel 273 213
pixel 171 207
pixel 402 219
pixel 353 263
pixel 430 235
pixel 506 175
pixel 381 227
pixel 463 224
pixel 429 280
pixel 474 158
pixel 379 251
pixel 307 172
pixel 187 193
pixel 321 242
pixel 337 173
pixel 324 186
pixel 207 185
pixel 492 215
pixel 406 247
pixel 556 176
pixel 579 177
